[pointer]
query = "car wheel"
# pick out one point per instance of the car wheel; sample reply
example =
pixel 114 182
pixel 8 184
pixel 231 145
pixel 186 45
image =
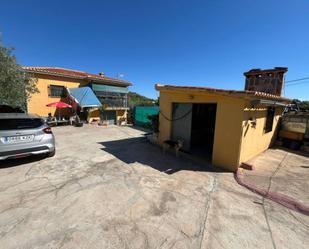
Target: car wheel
pixel 51 154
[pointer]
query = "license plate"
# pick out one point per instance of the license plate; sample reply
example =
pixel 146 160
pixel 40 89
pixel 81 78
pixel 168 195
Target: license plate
pixel 18 139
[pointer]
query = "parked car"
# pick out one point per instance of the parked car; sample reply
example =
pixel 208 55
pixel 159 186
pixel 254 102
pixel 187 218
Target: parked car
pixel 10 109
pixel 24 135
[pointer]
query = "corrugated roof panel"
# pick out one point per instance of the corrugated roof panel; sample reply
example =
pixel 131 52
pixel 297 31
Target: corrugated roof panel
pixel 85 97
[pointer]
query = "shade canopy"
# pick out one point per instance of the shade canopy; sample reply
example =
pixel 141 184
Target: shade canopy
pixel 59 105
pixel 106 88
pixel 84 97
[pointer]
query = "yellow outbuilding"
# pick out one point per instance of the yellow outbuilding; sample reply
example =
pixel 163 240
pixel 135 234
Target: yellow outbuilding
pixel 227 127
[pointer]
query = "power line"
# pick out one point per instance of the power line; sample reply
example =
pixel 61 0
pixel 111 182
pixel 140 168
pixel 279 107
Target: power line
pixel 297 83
pixel 305 78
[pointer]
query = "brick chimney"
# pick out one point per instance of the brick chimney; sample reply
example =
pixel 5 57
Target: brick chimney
pixel 267 80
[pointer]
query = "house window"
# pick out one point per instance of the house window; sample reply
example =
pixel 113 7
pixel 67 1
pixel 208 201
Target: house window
pixel 56 91
pixel 269 119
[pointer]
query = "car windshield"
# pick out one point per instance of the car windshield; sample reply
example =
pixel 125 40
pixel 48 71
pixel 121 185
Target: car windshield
pixel 20 123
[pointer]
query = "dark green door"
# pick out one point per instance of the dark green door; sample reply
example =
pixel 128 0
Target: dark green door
pixel 109 117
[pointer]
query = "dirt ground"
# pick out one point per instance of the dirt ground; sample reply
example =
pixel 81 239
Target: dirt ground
pixel 107 187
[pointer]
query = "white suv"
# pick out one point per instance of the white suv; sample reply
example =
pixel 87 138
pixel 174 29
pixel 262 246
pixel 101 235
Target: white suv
pixel 23 135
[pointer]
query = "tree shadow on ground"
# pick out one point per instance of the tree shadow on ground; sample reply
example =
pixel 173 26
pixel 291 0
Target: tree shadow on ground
pixel 139 150
pixel 20 161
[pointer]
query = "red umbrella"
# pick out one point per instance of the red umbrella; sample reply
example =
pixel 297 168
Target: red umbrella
pixel 59 105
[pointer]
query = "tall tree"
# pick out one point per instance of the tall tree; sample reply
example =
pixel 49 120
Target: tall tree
pixel 302 105
pixel 16 86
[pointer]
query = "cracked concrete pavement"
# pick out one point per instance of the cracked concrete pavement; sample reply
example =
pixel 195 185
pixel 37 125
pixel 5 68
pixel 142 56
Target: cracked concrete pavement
pixel 108 188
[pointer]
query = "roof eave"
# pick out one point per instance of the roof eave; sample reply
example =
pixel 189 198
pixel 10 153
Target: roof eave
pixel 232 93
pixel 110 81
pixel 104 80
pixel 54 74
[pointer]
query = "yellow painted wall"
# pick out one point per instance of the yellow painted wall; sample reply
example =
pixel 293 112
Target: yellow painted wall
pixel 121 116
pixel 38 101
pixel 254 139
pixel 94 115
pixel 229 120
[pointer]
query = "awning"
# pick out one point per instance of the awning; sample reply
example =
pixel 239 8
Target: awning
pixel 84 97
pixel 106 88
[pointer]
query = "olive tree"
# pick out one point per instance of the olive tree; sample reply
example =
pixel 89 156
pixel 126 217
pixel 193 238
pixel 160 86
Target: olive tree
pixel 16 85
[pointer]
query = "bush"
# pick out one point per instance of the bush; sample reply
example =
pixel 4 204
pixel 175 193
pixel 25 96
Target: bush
pixel 154 122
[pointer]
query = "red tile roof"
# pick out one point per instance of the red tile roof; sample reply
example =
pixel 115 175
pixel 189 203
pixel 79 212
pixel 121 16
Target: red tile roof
pixel 63 72
pixel 235 93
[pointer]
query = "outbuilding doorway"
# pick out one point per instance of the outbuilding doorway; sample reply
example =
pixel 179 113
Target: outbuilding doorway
pixel 194 124
pixel 203 129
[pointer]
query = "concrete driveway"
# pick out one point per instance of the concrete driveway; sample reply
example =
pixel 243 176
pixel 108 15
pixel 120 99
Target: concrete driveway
pixel 108 188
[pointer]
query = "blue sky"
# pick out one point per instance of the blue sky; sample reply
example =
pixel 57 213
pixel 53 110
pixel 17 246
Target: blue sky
pixel 202 43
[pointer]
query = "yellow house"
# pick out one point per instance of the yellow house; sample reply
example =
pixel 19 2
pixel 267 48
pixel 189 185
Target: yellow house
pixel 227 127
pixel 52 83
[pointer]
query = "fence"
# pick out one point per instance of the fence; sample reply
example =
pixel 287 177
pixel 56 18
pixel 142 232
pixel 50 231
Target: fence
pixel 141 114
